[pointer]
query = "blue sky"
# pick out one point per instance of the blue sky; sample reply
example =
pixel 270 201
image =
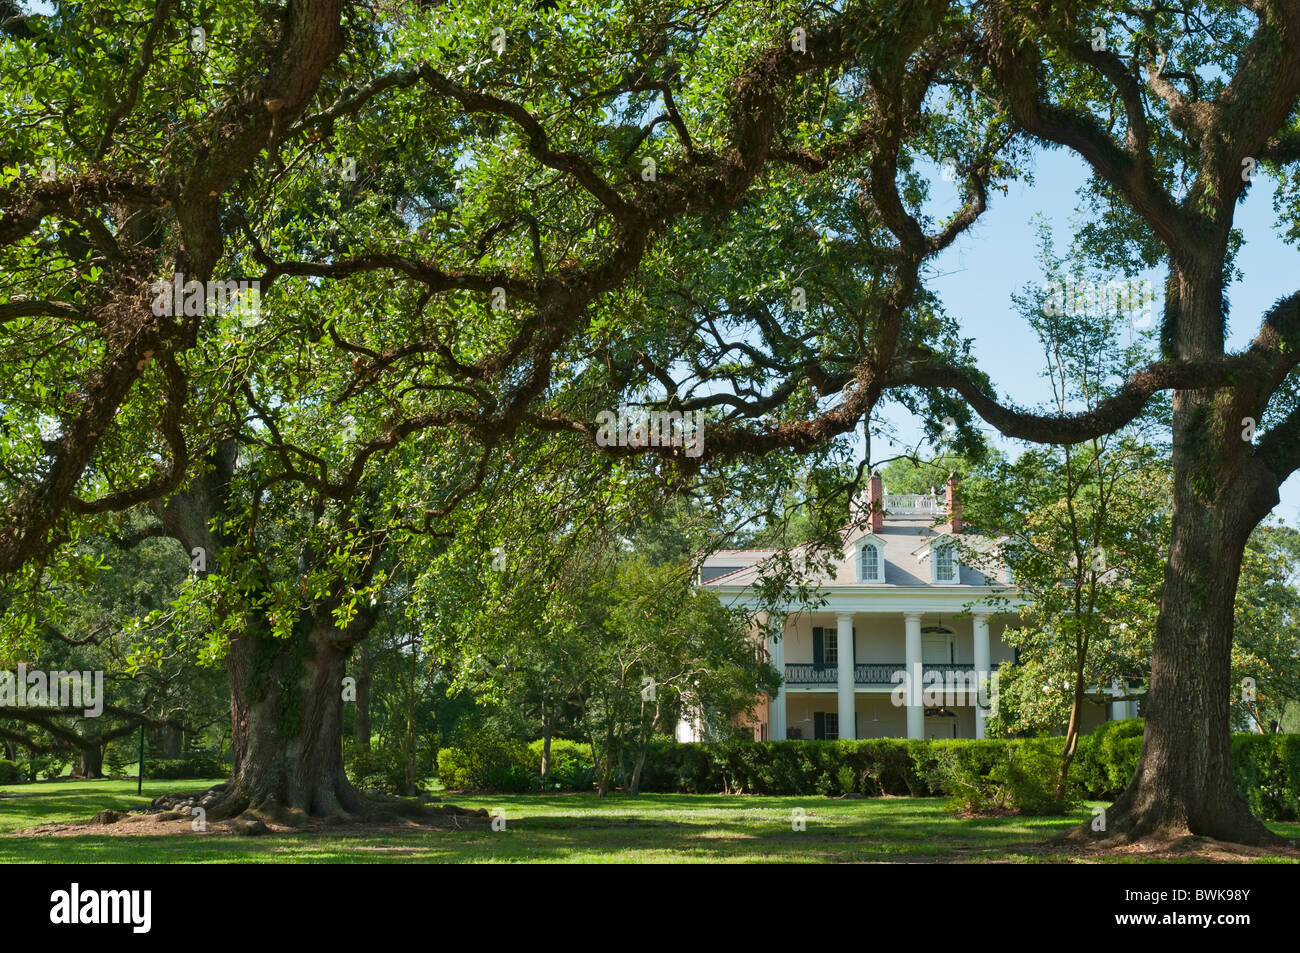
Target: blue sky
pixel 977 276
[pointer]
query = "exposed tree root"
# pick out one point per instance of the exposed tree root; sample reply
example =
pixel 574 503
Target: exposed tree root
pixel 1166 826
pixel 230 802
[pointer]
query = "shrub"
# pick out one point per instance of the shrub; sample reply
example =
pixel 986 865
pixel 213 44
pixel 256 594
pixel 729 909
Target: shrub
pixel 1267 771
pixel 1030 773
pixel 1108 761
pixel 572 767
pixel 998 777
pixel 197 765
pixel 377 769
pixel 886 766
pixel 48 766
pixel 10 773
pixel 979 776
pixel 454 768
pixel 486 762
pixel 566 757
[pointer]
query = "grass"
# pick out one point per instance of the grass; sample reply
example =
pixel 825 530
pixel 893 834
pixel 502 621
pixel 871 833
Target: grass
pixel 654 828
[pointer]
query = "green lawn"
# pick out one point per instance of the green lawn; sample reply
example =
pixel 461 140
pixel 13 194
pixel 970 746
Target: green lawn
pixel 670 828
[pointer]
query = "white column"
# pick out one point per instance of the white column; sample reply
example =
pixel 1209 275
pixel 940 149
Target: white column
pixel 981 665
pixel 844 647
pixel 915 710
pixel 776 701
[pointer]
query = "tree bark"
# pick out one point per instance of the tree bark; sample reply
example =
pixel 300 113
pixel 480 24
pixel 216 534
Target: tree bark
pixel 171 746
pixel 92 761
pixel 1071 732
pixel 1183 784
pixel 361 721
pixel 408 742
pixel 286 695
pixel 287 710
pixel 546 744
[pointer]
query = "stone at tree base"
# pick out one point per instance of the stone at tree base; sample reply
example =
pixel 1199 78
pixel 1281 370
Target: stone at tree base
pixel 249 827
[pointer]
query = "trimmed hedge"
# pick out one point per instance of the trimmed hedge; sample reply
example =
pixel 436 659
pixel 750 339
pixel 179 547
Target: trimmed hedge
pixel 194 766
pixel 1267 771
pixel 996 773
pixel 1108 759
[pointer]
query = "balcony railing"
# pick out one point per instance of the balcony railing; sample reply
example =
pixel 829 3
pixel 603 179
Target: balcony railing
pixel 913 504
pixel 866 673
pixel 811 675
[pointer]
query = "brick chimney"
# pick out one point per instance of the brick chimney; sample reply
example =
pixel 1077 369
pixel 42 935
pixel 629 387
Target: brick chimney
pixel 952 499
pixel 876 502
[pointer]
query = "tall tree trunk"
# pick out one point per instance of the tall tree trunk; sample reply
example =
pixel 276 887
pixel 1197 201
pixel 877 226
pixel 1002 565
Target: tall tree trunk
pixel 286 695
pixel 171 746
pixel 287 705
pixel 1183 783
pixel 92 760
pixel 1071 733
pixel 361 722
pixel 606 763
pixel 546 743
pixel 408 741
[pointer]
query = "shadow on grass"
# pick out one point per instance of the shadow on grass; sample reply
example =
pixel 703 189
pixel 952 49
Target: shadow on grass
pixel 667 828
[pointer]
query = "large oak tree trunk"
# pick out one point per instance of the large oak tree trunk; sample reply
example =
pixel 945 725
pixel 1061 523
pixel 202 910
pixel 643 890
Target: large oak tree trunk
pixel 1183 784
pixel 286 695
pixel 287 710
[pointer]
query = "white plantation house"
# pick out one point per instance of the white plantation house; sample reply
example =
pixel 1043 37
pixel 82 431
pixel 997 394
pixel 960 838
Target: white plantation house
pixel 900 610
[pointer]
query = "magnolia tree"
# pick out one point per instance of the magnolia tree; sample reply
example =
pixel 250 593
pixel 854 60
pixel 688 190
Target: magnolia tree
pixel 470 222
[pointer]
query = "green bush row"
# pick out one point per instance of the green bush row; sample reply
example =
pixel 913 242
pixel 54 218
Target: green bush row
pixel 988 775
pixel 191 766
pixel 1267 771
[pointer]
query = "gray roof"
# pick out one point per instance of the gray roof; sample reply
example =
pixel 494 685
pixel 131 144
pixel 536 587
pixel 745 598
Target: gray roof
pixel 906 542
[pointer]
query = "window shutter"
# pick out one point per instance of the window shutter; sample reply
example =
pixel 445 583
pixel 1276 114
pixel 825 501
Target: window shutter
pixel 819 648
pixel 819 724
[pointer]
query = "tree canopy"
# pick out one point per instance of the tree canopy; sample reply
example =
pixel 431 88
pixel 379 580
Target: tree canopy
pixel 464 227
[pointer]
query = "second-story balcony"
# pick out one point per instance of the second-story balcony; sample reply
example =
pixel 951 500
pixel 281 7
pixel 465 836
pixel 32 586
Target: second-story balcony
pixel 875 674
pixel 913 504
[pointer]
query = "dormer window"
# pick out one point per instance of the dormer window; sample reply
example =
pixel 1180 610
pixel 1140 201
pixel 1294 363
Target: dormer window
pixel 945 564
pixel 871 563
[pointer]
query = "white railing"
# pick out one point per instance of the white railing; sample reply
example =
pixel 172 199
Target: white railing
pixel 913 504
